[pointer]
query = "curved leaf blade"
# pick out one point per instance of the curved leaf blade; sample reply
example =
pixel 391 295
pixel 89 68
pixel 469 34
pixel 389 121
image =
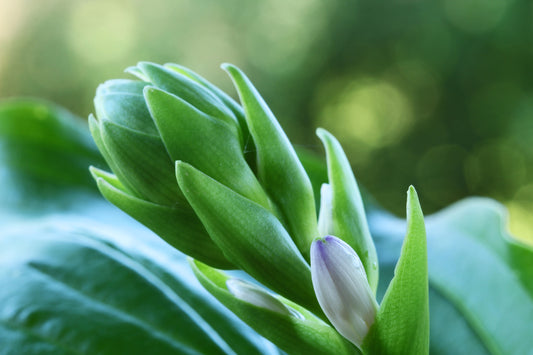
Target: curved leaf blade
pixel 402 322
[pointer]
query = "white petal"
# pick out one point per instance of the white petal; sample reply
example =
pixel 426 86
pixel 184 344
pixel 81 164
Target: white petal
pixel 325 217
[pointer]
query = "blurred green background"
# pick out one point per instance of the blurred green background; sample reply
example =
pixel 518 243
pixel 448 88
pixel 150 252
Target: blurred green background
pixel 438 94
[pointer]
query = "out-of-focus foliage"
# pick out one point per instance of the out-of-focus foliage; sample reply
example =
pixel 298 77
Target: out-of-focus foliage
pixel 432 93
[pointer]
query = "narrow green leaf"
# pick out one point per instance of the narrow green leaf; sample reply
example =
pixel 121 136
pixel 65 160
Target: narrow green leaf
pixel 203 141
pixel 279 169
pixel 301 333
pixel 178 226
pixel 346 210
pixel 249 236
pixel 143 162
pixel 402 322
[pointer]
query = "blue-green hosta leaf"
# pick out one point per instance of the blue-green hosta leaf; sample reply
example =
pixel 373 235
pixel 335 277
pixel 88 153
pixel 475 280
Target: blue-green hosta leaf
pixel 402 322
pixel 279 169
pixel 481 297
pixel 44 154
pixel 201 140
pixel 250 236
pixel 344 212
pixel 299 333
pixel 65 288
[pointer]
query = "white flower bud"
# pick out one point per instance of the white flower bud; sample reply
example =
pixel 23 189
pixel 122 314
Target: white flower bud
pixel 342 288
pixel 255 295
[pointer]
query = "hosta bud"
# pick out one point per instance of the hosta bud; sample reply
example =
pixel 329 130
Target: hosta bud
pixel 342 288
pixel 143 127
pixel 255 295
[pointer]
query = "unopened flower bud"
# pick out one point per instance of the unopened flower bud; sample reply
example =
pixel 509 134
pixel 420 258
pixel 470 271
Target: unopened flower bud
pixel 342 288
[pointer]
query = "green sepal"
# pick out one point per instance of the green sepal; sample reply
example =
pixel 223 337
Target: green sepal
pixel 347 213
pixel 190 91
pixel 203 141
pixel 178 226
pixel 296 334
pixel 143 162
pixel 249 235
pixel 279 169
pixel 402 322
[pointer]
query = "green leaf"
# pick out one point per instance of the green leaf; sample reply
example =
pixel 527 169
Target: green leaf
pixel 65 288
pixel 203 141
pixel 178 226
pixel 249 236
pixel 279 169
pixel 302 333
pixel 346 210
pixel 44 154
pixel 474 245
pixel 402 322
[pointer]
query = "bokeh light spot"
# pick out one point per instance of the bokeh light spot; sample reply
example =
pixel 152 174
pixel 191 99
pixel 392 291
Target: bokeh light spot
pixel 475 16
pixel 372 112
pixel 521 214
pixel 496 169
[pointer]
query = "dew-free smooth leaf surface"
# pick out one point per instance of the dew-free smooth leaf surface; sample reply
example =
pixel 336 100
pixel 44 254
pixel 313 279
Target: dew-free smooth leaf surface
pixel 279 169
pixel 41 142
pixel 402 322
pixel 249 236
pixel 296 334
pixel 51 287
